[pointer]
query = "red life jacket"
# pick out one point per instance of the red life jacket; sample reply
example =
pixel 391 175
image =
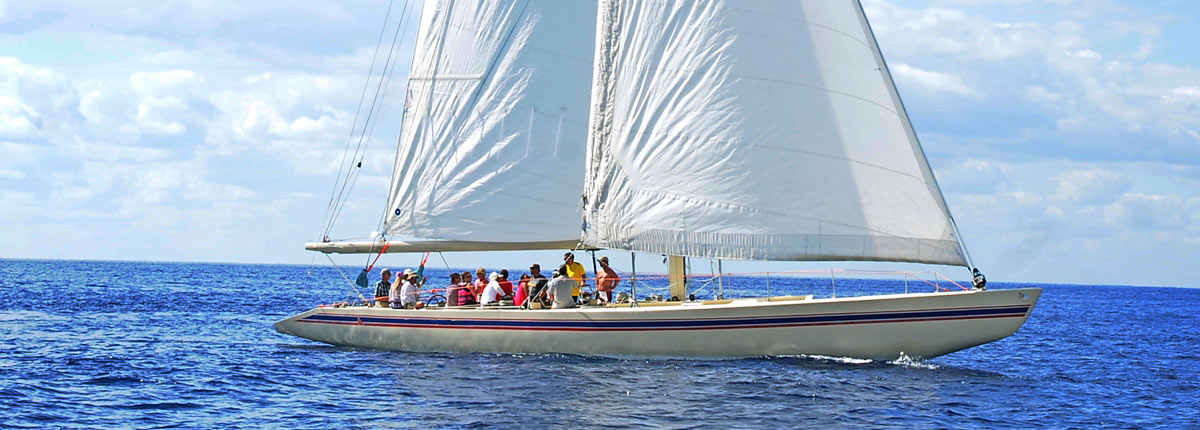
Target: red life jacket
pixel 465 295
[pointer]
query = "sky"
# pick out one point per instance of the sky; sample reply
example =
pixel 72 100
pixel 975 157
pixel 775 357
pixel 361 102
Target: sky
pixel 1065 133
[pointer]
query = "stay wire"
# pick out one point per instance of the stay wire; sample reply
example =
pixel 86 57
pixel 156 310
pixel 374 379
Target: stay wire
pixel 348 281
pixel 354 125
pixel 360 147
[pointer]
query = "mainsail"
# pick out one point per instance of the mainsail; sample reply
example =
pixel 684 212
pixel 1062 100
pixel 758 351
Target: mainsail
pixel 755 129
pixel 494 131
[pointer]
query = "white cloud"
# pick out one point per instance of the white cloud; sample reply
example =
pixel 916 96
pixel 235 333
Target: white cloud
pixel 955 32
pixel 170 82
pixel 1089 100
pixel 159 116
pixel 1156 212
pixel 294 117
pixel 973 176
pixel 163 106
pixel 33 100
pixel 172 57
pixel 116 153
pixel 1187 91
pixel 16 118
pixel 1089 186
pixel 932 81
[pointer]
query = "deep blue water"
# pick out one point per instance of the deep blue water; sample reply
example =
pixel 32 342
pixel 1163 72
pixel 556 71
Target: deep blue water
pixel 124 344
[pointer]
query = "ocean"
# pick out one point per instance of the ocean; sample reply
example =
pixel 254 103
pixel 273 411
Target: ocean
pixel 86 344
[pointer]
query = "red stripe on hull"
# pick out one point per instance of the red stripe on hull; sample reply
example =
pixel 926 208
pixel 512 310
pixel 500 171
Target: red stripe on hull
pixel 605 329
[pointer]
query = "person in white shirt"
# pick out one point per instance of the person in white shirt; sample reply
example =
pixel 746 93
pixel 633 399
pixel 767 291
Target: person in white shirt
pixel 493 292
pixel 560 290
pixel 409 292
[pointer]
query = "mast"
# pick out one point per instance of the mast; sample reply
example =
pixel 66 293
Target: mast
pixel 677 276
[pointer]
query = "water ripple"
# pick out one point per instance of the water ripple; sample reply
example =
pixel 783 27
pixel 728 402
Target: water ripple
pixel 160 345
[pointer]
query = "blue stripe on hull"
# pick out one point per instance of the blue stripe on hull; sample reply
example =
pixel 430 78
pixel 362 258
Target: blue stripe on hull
pixel 674 324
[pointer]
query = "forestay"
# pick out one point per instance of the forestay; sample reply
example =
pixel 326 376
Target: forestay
pixel 755 129
pixel 494 130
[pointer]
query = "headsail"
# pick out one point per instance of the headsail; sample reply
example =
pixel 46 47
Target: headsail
pixel 495 123
pixel 755 129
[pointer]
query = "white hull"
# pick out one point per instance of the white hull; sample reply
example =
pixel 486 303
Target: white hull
pixel 875 327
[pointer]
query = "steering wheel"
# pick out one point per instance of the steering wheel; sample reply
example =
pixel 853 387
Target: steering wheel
pixel 436 300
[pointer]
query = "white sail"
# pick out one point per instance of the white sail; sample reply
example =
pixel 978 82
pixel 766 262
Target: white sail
pixel 494 130
pixel 755 129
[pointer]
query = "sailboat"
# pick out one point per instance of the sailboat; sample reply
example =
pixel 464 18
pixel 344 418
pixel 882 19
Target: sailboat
pixel 716 129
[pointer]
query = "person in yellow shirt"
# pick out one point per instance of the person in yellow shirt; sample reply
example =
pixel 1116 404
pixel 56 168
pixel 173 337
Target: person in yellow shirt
pixel 575 271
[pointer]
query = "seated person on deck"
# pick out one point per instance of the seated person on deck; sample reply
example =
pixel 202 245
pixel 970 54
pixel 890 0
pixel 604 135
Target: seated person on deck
pixel 537 284
pixel 521 292
pixel 505 284
pixel 383 287
pixel 492 292
pixel 481 282
pixel 452 289
pixel 410 292
pixel 466 291
pixel 560 289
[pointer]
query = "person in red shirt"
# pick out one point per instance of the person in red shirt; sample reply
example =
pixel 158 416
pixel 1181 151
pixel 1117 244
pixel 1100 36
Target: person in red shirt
pixel 505 284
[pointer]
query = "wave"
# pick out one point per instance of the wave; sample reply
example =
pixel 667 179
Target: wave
pixel 915 363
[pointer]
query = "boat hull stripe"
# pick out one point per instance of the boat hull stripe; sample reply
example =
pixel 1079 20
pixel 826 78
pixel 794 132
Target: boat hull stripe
pixel 675 324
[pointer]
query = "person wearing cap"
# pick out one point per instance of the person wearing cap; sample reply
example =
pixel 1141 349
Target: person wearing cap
pixel 537 283
pixel 383 288
pixel 492 292
pixel 559 290
pixel 606 280
pixel 574 270
pixel 411 293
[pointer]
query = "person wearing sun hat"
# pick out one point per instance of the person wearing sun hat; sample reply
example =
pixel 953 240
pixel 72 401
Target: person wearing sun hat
pixel 410 292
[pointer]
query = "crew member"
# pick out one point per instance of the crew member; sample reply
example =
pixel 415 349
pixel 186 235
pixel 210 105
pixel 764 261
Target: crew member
pixel 572 269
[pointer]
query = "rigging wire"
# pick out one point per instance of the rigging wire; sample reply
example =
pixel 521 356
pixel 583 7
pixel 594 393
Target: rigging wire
pixel 354 168
pixel 360 147
pixel 348 281
pixel 354 125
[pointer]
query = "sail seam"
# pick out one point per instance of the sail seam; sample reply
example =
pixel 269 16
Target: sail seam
pixel 811 23
pixel 915 143
pixel 733 206
pixel 809 247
